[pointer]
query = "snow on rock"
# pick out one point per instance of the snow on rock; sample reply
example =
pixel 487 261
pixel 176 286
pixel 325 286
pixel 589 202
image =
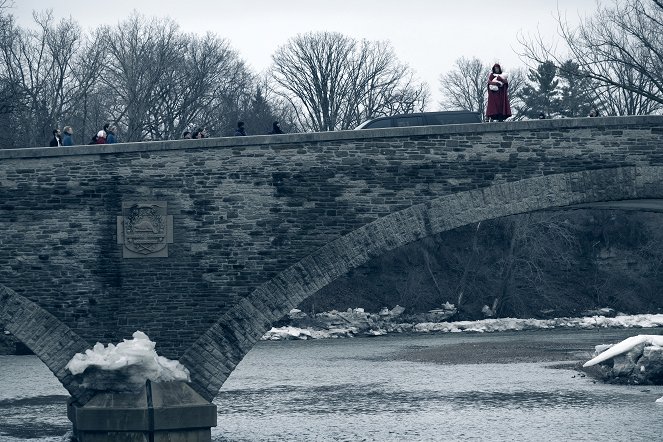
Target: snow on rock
pixel 355 322
pixel 125 366
pixel 335 324
pixel 635 360
pixel 282 333
pixel 514 324
pixel 487 311
pixel 292 333
pixel 625 346
pixel 605 311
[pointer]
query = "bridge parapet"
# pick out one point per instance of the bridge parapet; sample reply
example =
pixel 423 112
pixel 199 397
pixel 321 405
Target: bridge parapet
pixel 590 130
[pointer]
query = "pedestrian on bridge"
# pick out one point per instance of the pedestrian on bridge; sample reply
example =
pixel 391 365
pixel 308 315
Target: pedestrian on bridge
pixel 68 138
pixel 110 134
pixel 101 137
pixel 199 133
pixel 498 108
pixel 240 132
pixel 56 141
pixel 276 129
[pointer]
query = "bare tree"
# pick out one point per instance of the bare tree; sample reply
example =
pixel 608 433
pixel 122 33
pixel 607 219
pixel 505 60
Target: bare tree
pixel 511 264
pixel 517 83
pixel 38 64
pixel 140 53
pixel 142 74
pixel 534 242
pixel 617 100
pixel 334 82
pixel 382 86
pixel 619 40
pixel 11 93
pixel 468 267
pixel 231 102
pixel 88 109
pixel 464 87
pixel 279 108
pixel 207 70
pixel 311 72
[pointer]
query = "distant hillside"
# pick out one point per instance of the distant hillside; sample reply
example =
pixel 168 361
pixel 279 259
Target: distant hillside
pixel 539 265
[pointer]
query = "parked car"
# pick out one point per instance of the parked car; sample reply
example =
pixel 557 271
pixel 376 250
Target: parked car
pixel 422 119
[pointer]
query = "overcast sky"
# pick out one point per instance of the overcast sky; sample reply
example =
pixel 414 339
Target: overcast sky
pixel 428 35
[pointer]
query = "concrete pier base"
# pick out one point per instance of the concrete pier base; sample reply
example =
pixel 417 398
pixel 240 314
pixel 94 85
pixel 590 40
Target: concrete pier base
pixel 159 412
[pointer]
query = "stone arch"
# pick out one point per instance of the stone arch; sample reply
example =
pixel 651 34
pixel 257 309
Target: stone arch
pixel 215 354
pixel 48 338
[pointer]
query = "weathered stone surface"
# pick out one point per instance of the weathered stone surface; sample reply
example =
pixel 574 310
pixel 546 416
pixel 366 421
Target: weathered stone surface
pixel 167 411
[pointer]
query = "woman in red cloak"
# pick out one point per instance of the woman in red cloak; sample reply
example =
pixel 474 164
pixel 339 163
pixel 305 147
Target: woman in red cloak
pixel 498 108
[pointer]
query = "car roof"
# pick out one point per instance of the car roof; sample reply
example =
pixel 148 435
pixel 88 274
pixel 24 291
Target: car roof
pixel 416 114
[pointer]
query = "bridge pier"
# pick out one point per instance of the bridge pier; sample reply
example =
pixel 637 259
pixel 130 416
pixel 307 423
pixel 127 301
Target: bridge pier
pixel 159 412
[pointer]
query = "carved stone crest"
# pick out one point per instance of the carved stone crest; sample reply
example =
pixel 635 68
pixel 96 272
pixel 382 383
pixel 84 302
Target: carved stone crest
pixel 144 229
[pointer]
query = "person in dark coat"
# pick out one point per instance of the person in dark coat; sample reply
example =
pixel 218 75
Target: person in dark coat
pixel 198 133
pixel 240 132
pixel 276 129
pixel 68 138
pixel 110 134
pixel 498 108
pixel 56 141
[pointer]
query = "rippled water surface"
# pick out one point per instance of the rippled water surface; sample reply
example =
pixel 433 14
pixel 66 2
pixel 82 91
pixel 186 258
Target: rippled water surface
pixel 374 389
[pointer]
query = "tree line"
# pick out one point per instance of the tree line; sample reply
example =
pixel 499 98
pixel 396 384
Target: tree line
pixel 154 81
pixel 543 265
pixel 614 58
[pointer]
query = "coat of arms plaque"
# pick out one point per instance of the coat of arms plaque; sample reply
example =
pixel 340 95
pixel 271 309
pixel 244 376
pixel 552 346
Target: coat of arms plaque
pixel 144 230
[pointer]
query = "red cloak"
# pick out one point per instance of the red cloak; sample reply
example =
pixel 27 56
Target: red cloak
pixel 498 101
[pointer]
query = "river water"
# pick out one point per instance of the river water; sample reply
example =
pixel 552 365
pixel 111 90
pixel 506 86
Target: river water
pixel 440 387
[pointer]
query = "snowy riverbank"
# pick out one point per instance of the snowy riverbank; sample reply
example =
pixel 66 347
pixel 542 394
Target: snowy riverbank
pixel 357 322
pixel 640 363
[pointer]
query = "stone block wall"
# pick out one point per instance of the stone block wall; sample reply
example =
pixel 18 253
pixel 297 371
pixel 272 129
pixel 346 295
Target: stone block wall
pixel 245 209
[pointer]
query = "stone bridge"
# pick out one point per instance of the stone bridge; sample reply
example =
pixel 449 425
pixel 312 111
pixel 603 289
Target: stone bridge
pixel 202 244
